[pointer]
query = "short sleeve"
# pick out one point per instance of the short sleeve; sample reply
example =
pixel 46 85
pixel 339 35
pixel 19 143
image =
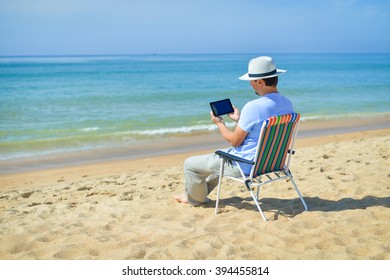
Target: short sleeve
pixel 249 117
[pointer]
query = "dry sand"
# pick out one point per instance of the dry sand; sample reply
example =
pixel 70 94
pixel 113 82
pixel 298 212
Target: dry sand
pixel 125 210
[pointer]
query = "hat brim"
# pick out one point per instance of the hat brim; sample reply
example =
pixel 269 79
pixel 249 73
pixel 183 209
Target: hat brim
pixel 246 77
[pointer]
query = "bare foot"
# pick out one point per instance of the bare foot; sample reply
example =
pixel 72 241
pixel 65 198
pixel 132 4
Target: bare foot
pixel 181 198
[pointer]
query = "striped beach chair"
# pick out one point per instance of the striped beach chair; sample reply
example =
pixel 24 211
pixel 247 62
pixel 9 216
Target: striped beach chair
pixel 272 160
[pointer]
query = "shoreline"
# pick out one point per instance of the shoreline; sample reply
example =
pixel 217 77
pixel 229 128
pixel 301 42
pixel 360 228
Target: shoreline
pixel 194 143
pixel 72 168
pixel 178 145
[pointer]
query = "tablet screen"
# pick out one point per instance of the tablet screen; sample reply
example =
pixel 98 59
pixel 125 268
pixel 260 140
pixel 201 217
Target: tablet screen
pixel 221 107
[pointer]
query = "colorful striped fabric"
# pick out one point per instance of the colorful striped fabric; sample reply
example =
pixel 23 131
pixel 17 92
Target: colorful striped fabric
pixel 276 139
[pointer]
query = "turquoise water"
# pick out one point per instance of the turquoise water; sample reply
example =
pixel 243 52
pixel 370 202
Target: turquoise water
pixel 73 103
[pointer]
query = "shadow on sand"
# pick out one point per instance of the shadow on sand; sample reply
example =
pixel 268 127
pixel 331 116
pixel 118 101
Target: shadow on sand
pixel 292 207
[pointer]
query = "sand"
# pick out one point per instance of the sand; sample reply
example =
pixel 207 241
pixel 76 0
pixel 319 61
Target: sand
pixel 124 209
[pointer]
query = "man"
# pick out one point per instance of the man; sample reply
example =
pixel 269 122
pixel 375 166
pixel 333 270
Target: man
pixel 201 172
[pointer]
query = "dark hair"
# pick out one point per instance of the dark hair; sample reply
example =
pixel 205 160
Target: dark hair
pixel 273 81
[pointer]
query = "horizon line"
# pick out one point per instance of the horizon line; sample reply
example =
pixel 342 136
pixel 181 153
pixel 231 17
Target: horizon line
pixel 200 53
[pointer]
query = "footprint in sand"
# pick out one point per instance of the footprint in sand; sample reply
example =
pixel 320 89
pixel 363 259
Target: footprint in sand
pixel 84 188
pixel 26 195
pixel 34 204
pixel 146 216
pixel 126 197
pixel 187 225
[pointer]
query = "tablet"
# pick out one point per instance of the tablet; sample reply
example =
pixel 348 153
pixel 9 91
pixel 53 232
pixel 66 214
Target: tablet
pixel 221 107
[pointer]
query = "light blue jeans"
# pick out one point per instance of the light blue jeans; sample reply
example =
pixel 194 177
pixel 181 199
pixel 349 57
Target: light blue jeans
pixel 201 176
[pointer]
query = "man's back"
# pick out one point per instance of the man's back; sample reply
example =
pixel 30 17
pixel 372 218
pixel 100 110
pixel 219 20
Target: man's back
pixel 251 119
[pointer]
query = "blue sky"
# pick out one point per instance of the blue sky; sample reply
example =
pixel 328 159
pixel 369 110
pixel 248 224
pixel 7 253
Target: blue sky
pixel 55 27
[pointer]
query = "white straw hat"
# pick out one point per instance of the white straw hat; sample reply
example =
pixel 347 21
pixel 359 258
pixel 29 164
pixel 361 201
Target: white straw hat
pixel 261 67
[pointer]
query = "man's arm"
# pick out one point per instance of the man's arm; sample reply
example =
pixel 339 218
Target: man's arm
pixel 235 138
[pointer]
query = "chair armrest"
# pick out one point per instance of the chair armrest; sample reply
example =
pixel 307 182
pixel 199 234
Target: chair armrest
pixel 233 157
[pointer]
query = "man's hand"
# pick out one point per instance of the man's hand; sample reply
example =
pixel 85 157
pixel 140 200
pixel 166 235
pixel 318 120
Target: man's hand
pixel 235 116
pixel 215 119
pixel 234 138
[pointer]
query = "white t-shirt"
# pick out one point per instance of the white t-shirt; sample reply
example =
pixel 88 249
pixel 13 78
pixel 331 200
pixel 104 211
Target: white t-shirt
pixel 251 119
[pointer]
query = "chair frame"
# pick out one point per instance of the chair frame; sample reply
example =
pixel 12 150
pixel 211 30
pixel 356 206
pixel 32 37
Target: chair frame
pixel 257 180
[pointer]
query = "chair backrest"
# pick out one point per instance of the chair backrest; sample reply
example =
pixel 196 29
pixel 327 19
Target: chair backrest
pixel 276 139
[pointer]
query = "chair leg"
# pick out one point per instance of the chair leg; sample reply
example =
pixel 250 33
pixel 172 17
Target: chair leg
pixel 258 192
pixel 255 198
pixel 219 184
pixel 299 193
pixel 258 205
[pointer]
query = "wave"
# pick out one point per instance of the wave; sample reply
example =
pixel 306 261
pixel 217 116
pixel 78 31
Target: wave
pixel 181 130
pixel 86 129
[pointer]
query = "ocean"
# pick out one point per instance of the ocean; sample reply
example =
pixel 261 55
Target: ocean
pixel 57 104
